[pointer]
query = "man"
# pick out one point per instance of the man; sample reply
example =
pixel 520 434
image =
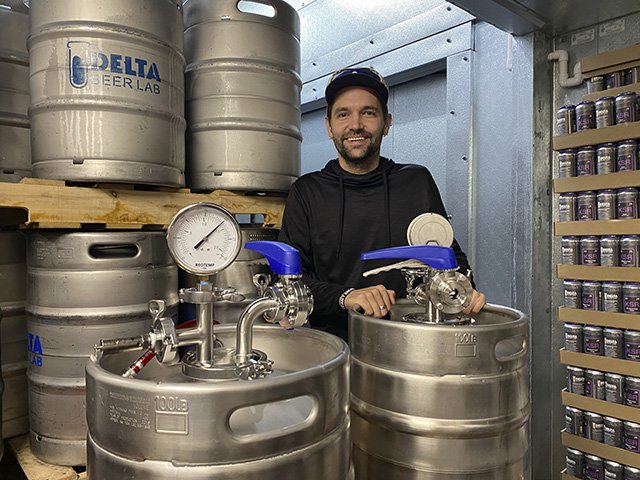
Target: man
pixel 357 203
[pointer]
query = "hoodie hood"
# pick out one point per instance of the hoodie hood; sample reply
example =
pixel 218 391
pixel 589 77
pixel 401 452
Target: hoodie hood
pixel 377 177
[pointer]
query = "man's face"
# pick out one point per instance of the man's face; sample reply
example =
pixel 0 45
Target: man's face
pixel 357 125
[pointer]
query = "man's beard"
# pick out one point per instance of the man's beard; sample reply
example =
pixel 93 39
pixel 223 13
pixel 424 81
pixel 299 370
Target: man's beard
pixel 371 151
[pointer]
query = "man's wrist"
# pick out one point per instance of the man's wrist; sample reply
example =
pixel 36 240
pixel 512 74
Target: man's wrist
pixel 343 298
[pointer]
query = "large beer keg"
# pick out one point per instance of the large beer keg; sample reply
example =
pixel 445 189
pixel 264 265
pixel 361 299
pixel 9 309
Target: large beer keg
pixel 440 401
pixel 107 90
pixel 15 150
pixel 82 287
pixel 13 333
pixel 239 276
pixel 164 425
pixel 243 94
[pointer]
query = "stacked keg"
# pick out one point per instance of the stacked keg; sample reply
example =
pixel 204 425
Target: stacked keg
pixel 15 152
pixel 243 95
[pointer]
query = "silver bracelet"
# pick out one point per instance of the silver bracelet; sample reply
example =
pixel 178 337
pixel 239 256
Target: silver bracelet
pixel 343 297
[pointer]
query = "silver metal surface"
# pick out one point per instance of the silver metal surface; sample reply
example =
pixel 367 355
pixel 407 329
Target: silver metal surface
pixel 13 333
pixel 83 287
pixel 107 91
pixel 243 96
pixel 163 425
pixel 15 149
pixel 421 392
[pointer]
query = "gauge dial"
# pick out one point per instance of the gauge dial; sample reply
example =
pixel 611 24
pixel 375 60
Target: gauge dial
pixel 204 238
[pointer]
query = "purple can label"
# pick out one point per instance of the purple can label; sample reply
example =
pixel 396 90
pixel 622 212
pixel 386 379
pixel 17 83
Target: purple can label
pixel 593 346
pixel 592 472
pixel 632 351
pixel 585 167
pixel 590 256
pixel 625 162
pixel 627 210
pixel 589 303
pixel 623 115
pixel 631 442
pixel 631 397
pixel 585 212
pixel 627 257
pixel 631 304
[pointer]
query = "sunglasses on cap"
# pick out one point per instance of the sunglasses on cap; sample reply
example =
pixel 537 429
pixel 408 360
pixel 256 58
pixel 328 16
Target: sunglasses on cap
pixel 368 71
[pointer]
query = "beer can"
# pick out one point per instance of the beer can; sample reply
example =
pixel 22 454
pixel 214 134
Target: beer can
pixel 593 468
pixel 574 421
pixel 586 205
pixel 570 250
pixel 629 246
pixel 614 388
pixel 586 161
pixel 631 437
pixel 613 470
pixel 607 201
pixel 632 345
pixel 631 391
pixel 573 340
pixel 631 473
pixel 630 76
pixel 572 293
pixel 613 342
pixel 613 428
pixel 585 116
pixel 591 299
pixel 593 339
pixel 566 120
pixel 609 253
pixel 594 384
pixel 627 155
pixel 605 112
pixel 594 426
pixel 589 251
pixel 631 297
pixel 575 380
pixel 595 84
pixel 606 158
pixel 625 104
pixel 567 207
pixel 567 163
pixel 627 203
pixel 612 80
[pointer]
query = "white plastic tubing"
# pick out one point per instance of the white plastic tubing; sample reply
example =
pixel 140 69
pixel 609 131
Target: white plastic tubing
pixel 562 57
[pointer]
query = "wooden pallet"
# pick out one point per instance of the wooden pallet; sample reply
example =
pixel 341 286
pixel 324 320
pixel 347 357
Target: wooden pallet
pixel 39 203
pixel 35 469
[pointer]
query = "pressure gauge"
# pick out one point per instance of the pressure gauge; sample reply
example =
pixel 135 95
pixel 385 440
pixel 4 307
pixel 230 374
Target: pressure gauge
pixel 204 238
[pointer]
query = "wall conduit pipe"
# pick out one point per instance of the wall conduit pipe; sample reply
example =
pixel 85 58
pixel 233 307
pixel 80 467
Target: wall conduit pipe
pixel 562 57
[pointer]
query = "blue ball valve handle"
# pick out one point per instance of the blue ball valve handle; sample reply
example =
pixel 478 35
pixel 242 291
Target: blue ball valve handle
pixel 283 259
pixel 441 258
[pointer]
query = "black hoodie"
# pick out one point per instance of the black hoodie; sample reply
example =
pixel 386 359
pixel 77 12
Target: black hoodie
pixel 332 216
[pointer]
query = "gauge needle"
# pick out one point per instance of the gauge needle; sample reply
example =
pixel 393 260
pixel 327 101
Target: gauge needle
pixel 204 239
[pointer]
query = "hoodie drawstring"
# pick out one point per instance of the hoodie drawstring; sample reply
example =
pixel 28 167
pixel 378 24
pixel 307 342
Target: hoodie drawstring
pixel 341 217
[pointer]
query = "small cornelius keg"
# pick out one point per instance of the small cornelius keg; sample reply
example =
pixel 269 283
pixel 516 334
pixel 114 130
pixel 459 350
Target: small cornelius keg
pixel 243 95
pixel 410 407
pixel 239 275
pixel 107 91
pixel 15 148
pixel 163 425
pixel 82 287
pixel 13 298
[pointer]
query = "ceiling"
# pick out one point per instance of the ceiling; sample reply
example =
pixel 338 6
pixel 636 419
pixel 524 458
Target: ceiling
pixel 520 17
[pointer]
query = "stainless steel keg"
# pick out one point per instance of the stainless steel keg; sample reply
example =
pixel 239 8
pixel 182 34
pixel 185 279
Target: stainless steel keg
pixel 107 91
pixel 82 287
pixel 13 327
pixel 164 425
pixel 423 391
pixel 239 276
pixel 15 149
pixel 243 95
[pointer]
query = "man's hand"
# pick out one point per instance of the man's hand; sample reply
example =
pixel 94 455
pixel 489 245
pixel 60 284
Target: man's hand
pixel 374 301
pixel 478 300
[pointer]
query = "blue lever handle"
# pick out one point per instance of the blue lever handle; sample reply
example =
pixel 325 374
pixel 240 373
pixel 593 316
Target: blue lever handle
pixel 441 258
pixel 283 259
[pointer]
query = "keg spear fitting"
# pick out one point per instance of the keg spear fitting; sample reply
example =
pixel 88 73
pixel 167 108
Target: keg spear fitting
pixel 431 276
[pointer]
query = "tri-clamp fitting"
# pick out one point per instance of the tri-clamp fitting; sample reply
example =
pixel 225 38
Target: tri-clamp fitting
pixel 432 279
pixel 287 301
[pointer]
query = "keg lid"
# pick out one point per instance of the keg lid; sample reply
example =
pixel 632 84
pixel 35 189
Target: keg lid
pixel 430 229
